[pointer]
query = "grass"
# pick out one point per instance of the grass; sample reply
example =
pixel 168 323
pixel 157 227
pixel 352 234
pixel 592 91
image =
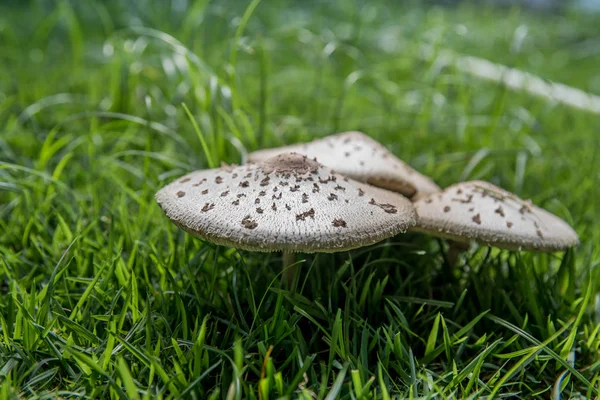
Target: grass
pixel 102 103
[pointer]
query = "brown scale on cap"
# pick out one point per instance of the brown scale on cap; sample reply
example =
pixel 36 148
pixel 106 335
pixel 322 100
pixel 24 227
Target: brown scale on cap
pixel 477 219
pixel 257 201
pixel 249 223
pixel 295 188
pixel 315 188
pixel 208 207
pixel 388 208
pixel 304 198
pixel 262 193
pixel 465 201
pixel 180 193
pixel 302 216
pixel 225 193
pixel 339 223
pixel 218 180
pixel 332 196
pixel 338 187
pixel 184 180
pixel 236 202
pixel 259 210
pixel 361 192
pixel 524 209
pixel 205 191
pixel 244 184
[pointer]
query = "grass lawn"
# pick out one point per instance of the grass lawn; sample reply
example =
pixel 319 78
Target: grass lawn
pixel 102 297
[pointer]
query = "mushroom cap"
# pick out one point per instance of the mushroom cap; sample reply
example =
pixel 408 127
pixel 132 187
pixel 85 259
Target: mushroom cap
pixel 288 202
pixel 488 214
pixel 359 157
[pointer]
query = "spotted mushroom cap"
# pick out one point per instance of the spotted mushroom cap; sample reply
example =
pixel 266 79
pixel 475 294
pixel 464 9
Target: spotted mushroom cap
pixel 360 157
pixel 288 202
pixel 485 213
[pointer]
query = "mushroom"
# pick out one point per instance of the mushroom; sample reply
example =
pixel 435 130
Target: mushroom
pixel 287 203
pixel 360 157
pixel 483 212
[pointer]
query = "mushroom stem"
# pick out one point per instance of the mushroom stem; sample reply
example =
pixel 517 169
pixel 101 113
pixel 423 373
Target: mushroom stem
pixel 454 252
pixel 289 269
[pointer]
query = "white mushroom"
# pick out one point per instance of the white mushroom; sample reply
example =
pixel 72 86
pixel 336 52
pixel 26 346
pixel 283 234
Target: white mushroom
pixel 360 157
pixel 485 213
pixel 287 203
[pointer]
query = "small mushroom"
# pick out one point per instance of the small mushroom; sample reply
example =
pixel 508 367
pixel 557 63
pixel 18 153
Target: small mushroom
pixel 490 215
pixel 298 221
pixel 362 158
